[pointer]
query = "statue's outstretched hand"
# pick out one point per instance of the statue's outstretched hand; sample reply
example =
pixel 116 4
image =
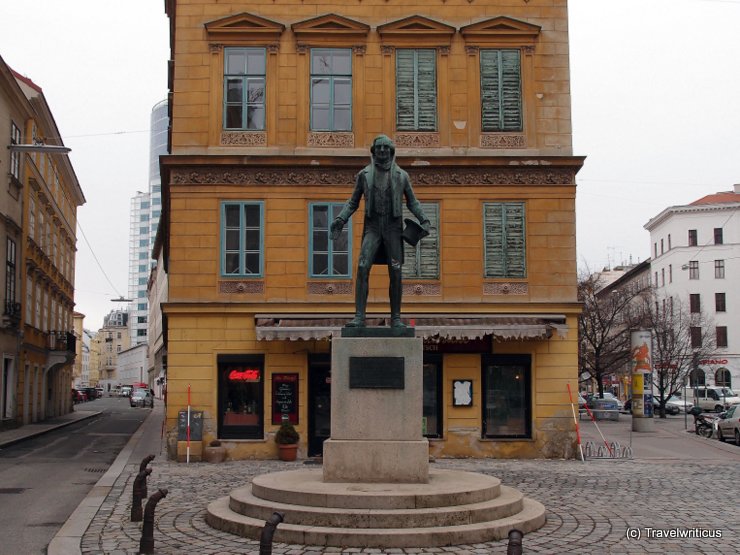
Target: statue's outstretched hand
pixel 336 228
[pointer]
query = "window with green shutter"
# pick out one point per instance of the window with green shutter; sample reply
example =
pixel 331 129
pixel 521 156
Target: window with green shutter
pixel 505 240
pixel 416 89
pixel 501 90
pixel 422 261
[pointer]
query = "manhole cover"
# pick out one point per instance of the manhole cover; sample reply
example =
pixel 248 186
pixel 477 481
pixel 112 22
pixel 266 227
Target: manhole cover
pixel 12 490
pixel 96 470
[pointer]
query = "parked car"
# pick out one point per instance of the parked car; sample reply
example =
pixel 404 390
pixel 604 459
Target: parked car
pixel 670 407
pixel 81 395
pixel 606 408
pixel 678 402
pixel 100 391
pixel 607 395
pixel 141 398
pixel 126 391
pixel 728 425
pixel 715 398
pixel 91 393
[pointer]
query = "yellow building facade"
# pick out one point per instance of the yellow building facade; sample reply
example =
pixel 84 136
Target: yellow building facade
pixel 274 106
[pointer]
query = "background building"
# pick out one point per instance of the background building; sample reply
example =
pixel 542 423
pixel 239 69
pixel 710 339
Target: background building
pixel 274 107
pixel 146 209
pixel 131 365
pixel 110 340
pixel 37 338
pixel 696 259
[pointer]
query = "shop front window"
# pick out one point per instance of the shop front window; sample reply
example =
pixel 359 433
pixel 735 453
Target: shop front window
pixel 432 396
pixel 241 396
pixel 507 411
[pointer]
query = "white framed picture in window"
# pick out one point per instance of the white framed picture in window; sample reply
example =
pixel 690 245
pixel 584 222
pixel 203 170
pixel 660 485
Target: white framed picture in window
pixel 462 393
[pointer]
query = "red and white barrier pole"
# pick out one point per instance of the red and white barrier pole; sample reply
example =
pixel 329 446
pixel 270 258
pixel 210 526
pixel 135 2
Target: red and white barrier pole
pixel 187 454
pixel 578 431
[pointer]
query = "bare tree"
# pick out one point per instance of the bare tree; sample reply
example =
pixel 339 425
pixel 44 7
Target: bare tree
pixel 679 341
pixel 604 326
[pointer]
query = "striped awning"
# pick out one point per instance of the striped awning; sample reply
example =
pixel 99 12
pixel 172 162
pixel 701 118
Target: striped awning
pixel 502 327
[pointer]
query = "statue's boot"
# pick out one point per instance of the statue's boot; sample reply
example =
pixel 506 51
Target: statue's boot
pixel 361 292
pixel 394 292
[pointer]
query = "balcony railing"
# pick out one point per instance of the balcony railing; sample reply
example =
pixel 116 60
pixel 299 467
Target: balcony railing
pixel 62 341
pixel 12 310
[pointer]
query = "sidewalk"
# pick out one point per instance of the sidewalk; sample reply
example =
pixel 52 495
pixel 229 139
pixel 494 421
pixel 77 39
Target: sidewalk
pixel 9 437
pixel 592 506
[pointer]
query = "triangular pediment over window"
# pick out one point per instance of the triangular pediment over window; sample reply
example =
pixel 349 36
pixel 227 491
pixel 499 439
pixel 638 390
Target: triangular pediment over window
pixel 245 27
pixel 329 28
pixel 501 29
pixel 418 29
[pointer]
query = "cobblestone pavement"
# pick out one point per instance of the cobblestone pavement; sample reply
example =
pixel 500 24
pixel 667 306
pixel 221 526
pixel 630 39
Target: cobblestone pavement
pixel 592 507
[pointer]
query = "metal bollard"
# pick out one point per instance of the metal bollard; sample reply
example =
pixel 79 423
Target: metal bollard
pixel 268 531
pixel 140 492
pixel 145 461
pixel 146 545
pixel 515 543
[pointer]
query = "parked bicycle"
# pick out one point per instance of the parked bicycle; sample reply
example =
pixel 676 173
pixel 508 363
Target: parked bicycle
pixel 703 425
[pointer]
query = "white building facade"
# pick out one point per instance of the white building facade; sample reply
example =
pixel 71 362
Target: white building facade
pixel 696 258
pixel 132 365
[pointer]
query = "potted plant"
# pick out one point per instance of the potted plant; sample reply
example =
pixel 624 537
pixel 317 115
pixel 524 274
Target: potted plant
pixel 215 452
pixel 287 441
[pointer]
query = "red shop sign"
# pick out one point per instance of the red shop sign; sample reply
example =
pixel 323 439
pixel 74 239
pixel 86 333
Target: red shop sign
pixel 245 375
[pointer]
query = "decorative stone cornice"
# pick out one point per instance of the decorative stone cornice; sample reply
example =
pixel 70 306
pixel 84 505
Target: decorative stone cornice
pixel 244 287
pixel 329 288
pixel 417 140
pixel 505 289
pixel 422 289
pixel 427 175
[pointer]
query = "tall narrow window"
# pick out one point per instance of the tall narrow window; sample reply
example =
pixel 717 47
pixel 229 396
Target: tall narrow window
pixel 15 156
pixel 10 261
pixel 718 236
pixel 693 269
pixel 661 247
pixel 721 332
pixel 505 240
pixel 501 90
pixel 719 269
pixel 669 241
pixel 241 239
pixel 670 273
pixel 506 396
pixel 422 261
pixel 244 88
pixel 331 89
pixel 695 302
pixel 693 238
pixel 328 258
pixel 720 302
pixel 695 334
pixel 662 277
pixel 416 89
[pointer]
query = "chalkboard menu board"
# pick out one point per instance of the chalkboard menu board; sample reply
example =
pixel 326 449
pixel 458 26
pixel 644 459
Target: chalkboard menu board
pixel 196 425
pixel 285 398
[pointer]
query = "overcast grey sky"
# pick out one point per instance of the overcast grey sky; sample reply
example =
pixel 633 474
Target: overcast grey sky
pixel 656 110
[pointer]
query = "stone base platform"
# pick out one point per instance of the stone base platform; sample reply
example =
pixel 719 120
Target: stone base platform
pixel 452 508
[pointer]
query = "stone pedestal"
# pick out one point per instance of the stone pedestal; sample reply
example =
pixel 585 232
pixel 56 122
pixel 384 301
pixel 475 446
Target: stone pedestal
pixel 376 412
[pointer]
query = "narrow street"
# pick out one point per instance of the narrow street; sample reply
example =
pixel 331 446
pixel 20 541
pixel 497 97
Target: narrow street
pixel 45 478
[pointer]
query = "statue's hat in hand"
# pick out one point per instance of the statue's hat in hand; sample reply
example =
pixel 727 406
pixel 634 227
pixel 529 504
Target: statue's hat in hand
pixel 413 232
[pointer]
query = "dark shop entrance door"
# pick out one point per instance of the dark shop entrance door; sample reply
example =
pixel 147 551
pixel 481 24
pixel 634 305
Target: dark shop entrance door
pixel 319 403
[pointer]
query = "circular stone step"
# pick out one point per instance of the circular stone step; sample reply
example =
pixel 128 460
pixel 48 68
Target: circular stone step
pixel 530 518
pixel 509 502
pixel 445 488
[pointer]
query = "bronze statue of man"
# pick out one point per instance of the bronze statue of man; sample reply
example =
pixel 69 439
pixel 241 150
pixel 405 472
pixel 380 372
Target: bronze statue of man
pixel 383 184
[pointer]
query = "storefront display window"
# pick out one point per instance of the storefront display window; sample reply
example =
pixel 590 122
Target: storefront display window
pixel 432 396
pixel 240 396
pixel 507 396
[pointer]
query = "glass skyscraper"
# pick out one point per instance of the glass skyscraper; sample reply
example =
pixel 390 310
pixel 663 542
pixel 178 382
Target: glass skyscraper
pixel 146 208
